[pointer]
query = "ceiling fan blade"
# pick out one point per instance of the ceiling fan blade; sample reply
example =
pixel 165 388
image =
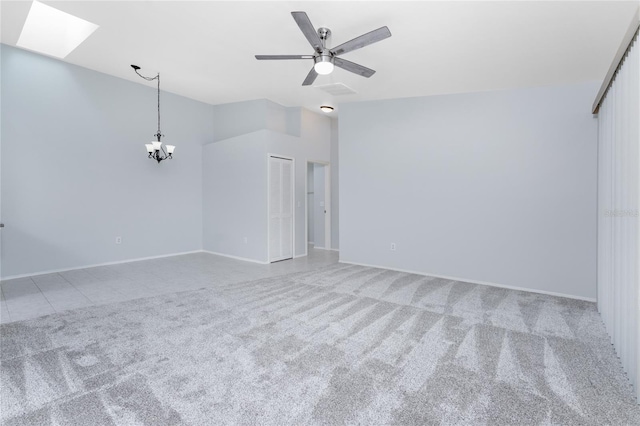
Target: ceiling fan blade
pixel 263 57
pixel 311 77
pixel 362 41
pixel 353 67
pixel 307 29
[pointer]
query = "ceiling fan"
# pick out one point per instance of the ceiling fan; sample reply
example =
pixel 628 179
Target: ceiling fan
pixel 324 58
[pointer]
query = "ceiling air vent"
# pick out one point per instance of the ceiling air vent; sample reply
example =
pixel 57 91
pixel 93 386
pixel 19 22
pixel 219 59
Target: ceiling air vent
pixel 336 89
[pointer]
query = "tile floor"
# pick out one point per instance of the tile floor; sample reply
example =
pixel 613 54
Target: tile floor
pixel 39 295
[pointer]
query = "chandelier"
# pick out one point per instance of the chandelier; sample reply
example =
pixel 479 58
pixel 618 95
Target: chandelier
pixel 155 149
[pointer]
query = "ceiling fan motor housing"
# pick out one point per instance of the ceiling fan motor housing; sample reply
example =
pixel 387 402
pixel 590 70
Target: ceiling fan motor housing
pixel 324 34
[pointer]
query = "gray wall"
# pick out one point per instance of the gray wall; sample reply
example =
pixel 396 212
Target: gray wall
pixel 235 176
pixel 75 173
pixel 496 187
pixel 235 196
pixel 239 118
pixel 335 180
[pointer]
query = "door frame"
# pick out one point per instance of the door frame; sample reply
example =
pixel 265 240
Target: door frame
pixel 327 205
pixel 293 205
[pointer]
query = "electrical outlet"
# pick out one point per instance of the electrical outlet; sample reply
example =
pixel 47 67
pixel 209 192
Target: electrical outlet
pixel 393 246
pixel 118 240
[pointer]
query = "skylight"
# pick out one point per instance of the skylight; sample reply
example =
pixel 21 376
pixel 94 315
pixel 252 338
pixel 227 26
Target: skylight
pixel 52 31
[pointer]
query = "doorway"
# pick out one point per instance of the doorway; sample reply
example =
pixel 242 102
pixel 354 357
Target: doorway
pixel 318 201
pixel 281 201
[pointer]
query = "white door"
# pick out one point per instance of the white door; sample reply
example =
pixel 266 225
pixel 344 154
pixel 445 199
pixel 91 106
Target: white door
pixel 280 209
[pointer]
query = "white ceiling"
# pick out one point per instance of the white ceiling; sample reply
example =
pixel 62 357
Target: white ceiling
pixel 205 50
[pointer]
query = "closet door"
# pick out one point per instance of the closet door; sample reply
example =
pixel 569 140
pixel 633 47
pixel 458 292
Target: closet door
pixel 280 209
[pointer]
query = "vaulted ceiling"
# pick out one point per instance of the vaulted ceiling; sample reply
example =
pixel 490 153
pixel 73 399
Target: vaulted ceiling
pixel 205 50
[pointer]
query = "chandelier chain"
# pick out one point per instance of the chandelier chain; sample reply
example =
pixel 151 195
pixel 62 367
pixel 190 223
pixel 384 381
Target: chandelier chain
pixel 157 77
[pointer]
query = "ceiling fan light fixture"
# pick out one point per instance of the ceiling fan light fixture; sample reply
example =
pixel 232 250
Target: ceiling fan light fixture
pixel 326 108
pixel 323 64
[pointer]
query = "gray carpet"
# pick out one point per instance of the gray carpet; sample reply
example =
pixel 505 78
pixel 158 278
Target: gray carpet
pixel 339 345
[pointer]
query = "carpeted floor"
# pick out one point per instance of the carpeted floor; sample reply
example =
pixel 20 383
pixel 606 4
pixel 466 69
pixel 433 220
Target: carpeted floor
pixel 340 345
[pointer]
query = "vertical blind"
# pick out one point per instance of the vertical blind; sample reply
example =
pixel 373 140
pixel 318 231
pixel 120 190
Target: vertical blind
pixel 618 211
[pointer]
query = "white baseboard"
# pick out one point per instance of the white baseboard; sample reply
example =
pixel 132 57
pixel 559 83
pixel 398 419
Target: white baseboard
pixel 327 249
pixel 246 259
pixel 300 255
pixel 117 262
pixel 510 287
